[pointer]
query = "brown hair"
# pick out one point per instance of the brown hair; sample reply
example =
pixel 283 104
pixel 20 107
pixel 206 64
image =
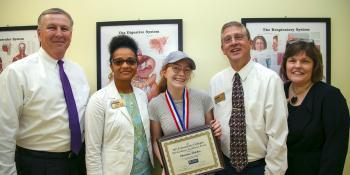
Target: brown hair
pixel 55 11
pixel 295 47
pixel 162 85
pixel 262 39
pixel 235 24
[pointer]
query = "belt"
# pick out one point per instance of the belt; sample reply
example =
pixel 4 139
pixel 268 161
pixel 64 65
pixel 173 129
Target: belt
pixel 44 154
pixel 259 162
pixel 256 163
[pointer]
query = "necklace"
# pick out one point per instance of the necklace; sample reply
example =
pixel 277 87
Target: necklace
pixel 294 99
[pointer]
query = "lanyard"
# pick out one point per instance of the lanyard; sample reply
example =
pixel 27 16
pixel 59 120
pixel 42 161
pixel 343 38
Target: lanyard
pixel 181 123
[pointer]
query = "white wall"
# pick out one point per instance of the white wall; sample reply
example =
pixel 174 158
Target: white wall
pixel 202 21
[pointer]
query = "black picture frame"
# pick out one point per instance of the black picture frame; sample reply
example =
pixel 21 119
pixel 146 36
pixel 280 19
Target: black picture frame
pixel 141 30
pixel 316 29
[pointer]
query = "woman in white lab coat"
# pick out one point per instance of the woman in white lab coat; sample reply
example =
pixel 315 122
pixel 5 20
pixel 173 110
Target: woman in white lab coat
pixel 117 129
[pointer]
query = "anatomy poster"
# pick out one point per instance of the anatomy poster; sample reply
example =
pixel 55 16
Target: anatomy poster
pixel 17 43
pixel 270 35
pixel 155 38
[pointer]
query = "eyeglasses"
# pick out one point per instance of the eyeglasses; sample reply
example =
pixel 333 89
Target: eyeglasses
pixel 300 41
pixel 120 61
pixel 176 69
pixel 237 37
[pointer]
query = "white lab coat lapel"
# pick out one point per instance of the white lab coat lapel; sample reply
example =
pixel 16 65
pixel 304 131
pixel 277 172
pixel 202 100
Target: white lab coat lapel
pixel 114 95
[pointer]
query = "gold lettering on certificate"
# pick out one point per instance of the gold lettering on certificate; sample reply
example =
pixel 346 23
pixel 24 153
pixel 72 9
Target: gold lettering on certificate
pixel 195 153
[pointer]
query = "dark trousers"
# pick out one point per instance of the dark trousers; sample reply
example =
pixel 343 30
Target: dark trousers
pixel 253 168
pixel 29 162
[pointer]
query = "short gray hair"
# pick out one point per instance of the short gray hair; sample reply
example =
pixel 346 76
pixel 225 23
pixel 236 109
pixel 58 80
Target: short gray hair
pixel 55 11
pixel 235 24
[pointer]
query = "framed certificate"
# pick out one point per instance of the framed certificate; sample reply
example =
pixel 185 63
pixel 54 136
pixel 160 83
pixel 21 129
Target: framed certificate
pixel 191 152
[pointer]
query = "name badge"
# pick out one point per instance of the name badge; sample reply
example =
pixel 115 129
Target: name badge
pixel 117 103
pixel 219 98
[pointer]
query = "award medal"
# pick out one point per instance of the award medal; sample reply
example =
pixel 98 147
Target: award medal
pixel 181 123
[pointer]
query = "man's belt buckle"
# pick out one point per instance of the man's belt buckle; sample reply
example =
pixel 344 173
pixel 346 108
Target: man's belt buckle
pixel 70 155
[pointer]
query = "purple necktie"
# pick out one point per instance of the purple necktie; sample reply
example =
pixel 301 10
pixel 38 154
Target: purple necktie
pixel 72 111
pixel 237 124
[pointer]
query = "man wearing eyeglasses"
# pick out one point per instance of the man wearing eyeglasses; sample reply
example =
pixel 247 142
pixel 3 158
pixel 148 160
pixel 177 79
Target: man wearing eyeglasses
pixel 43 99
pixel 251 107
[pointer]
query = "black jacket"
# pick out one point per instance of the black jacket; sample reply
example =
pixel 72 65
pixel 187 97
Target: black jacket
pixel 318 132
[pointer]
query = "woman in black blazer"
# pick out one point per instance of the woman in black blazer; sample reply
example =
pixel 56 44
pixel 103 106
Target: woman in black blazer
pixel 318 118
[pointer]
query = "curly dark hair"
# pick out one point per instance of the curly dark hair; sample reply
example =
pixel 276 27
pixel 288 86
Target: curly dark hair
pixel 122 41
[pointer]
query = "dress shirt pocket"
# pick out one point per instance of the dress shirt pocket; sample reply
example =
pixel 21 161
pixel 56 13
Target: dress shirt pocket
pixel 223 108
pixel 223 99
pixel 255 114
pixel 81 96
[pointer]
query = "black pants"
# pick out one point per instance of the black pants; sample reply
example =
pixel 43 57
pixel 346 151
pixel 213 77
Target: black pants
pixel 253 168
pixel 29 162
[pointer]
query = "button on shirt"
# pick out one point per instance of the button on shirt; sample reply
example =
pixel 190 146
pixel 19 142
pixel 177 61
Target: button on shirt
pixel 266 114
pixel 33 111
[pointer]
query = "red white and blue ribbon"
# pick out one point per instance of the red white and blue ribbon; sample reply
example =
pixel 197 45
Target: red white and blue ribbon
pixel 181 122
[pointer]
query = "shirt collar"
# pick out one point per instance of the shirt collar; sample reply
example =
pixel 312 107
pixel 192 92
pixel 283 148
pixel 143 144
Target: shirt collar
pixel 47 58
pixel 244 72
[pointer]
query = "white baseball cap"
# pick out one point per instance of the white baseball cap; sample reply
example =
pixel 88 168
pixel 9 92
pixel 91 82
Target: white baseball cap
pixel 177 56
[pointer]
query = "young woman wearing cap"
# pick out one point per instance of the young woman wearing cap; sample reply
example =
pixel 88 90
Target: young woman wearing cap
pixel 178 108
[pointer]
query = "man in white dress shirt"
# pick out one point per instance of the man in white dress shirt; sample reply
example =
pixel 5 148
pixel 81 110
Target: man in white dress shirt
pixel 264 105
pixel 35 134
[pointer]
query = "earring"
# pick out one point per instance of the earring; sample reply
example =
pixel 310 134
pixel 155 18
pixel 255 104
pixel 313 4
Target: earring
pixel 110 76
